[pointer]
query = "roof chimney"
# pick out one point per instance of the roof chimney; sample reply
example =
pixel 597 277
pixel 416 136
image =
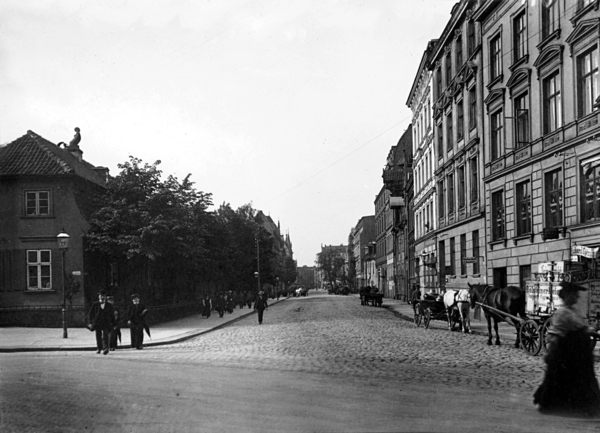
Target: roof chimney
pixel 102 172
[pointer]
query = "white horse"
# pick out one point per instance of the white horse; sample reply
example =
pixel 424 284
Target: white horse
pixel 458 300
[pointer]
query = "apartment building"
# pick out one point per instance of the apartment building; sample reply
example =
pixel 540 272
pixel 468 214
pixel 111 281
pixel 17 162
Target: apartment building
pixel 457 77
pixel 539 64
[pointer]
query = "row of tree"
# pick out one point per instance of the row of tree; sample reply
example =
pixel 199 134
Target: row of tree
pixel 162 238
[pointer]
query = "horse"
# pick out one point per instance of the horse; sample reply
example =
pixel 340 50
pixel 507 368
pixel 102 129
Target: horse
pixel 460 301
pixel 509 300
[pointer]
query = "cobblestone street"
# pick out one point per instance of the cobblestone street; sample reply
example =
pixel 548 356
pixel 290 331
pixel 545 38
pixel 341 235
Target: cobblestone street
pixel 313 365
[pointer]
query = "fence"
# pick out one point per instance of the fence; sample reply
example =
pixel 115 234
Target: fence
pixel 50 316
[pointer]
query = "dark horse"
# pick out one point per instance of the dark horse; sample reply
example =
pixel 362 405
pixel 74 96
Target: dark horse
pixel 509 300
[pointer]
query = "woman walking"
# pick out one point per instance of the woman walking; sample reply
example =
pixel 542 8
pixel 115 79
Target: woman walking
pixel 570 383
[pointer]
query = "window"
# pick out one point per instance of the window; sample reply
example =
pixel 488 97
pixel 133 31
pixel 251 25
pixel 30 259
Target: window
pixel 587 82
pixel 471 37
pixel 452 257
pixel 439 83
pixel 463 254
pixel 442 260
pixel 474 180
pixel 524 275
pixel 523 208
pixel 591 191
pixel 460 120
pixel 553 198
pixel 497 216
pixel 476 251
pixel 496 131
pixel 37 203
pixel 450 193
pixel 448 69
pixel 552 103
pixel 440 140
pixel 449 135
pixel 500 279
pixel 461 187
pixel 520 36
pixel 472 108
pixel 549 17
pixel 521 107
pixel 459 53
pixel 441 198
pixel 39 273
pixel 495 57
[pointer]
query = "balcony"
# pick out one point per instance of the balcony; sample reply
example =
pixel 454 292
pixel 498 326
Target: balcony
pixel 393 179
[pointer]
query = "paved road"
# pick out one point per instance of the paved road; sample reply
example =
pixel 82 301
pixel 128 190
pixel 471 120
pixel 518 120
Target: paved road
pixel 321 363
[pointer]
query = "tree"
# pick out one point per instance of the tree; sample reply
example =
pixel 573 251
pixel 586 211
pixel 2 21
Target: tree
pixel 152 227
pixel 332 265
pixel 351 261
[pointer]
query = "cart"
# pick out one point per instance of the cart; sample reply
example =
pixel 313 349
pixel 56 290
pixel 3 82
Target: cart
pixel 543 301
pixel 433 308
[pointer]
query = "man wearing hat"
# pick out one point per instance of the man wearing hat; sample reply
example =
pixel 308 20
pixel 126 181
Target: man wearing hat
pixel 135 319
pixel 101 319
pixel 260 305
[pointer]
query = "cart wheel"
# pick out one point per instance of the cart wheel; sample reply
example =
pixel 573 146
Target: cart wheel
pixel 530 337
pixel 427 318
pixel 418 315
pixel 544 334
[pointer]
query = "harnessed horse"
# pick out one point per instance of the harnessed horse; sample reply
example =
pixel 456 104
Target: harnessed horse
pixel 509 300
pixel 459 300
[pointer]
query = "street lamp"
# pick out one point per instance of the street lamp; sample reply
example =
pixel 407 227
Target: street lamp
pixel 63 246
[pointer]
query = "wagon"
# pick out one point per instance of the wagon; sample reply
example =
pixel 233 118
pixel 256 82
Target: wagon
pixel 543 301
pixel 433 308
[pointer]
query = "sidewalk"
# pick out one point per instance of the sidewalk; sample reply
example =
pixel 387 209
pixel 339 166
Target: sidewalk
pixel 21 339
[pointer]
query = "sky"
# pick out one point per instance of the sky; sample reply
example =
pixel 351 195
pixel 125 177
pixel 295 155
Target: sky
pixel 291 106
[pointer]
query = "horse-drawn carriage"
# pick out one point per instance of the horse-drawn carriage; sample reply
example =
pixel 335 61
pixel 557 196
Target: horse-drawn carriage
pixel 530 310
pixel 447 307
pixel 370 296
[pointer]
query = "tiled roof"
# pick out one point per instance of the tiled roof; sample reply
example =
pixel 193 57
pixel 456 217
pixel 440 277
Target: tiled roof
pixel 32 154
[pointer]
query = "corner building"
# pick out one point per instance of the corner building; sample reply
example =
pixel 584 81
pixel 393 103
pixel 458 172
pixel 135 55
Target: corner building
pixel 542 140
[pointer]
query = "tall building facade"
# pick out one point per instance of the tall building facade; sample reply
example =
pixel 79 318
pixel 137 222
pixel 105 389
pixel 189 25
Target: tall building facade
pixel 458 69
pixel 362 235
pixel 420 101
pixel 542 140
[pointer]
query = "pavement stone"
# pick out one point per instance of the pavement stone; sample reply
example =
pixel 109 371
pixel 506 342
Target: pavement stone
pixel 22 339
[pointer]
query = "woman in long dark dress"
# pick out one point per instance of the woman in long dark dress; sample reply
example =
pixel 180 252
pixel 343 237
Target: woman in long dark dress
pixel 570 383
pixel 206 306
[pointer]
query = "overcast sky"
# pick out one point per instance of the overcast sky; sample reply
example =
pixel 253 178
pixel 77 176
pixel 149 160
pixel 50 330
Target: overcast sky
pixel 289 105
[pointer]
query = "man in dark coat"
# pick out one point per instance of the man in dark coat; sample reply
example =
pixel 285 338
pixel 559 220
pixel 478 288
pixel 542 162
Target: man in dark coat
pixel 115 333
pixel 206 306
pixel 260 305
pixel 135 319
pixel 101 319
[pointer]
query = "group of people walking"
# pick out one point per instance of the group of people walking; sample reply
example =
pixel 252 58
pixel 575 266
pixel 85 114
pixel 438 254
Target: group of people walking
pixel 228 301
pixel 105 320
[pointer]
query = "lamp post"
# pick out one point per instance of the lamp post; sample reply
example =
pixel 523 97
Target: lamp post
pixel 63 246
pixel 257 274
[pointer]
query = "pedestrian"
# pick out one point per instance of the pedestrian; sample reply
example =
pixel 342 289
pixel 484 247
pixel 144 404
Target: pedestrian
pixel 115 333
pixel 570 383
pixel 260 305
pixel 229 302
pixel 101 320
pixel 206 306
pixel 249 299
pixel 220 304
pixel 136 314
